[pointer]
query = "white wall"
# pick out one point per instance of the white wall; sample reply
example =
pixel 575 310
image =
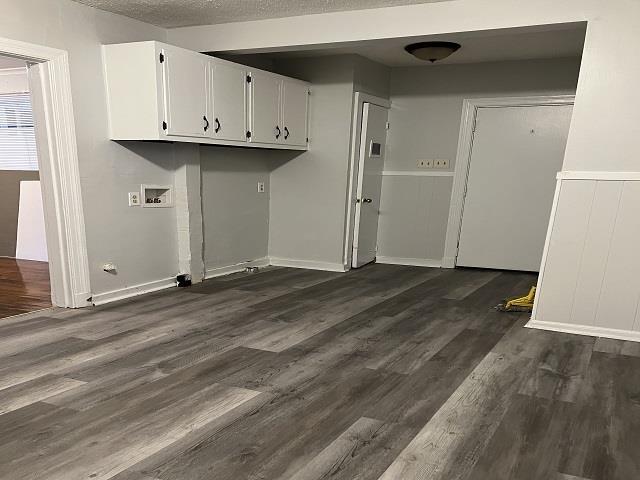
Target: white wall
pixel 604 130
pixel 141 241
pixel 426 106
pixel 308 190
pixel 235 215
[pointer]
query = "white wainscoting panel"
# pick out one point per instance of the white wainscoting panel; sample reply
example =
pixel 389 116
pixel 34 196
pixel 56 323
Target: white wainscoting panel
pixel 414 211
pixel 589 280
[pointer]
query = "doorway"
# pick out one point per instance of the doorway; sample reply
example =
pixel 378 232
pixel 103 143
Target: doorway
pixel 24 267
pixel 373 139
pixel 510 152
pixel 50 88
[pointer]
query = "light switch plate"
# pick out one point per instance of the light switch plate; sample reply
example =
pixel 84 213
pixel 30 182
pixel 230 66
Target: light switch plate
pixel 260 187
pixel 134 199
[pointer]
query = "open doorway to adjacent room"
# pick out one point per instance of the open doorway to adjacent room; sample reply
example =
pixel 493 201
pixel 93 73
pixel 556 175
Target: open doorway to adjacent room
pixel 24 262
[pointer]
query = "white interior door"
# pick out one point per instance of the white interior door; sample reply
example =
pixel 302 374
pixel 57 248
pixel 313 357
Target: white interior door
pixel 373 140
pixel 516 154
pixel 229 101
pixel 185 90
pixel 294 112
pixel 265 108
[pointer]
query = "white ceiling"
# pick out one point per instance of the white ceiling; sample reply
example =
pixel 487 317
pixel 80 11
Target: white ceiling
pixel 485 46
pixel 182 13
pixel 10 62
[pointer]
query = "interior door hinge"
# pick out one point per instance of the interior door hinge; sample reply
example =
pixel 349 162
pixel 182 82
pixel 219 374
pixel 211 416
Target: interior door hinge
pixel 161 57
pixel 387 126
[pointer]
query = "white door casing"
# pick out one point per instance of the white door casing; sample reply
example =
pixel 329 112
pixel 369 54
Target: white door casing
pixel 50 85
pixel 373 139
pixel 515 156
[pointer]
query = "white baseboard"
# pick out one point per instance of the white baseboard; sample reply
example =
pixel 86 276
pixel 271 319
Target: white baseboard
pixel 133 291
pixel 415 262
pixel 238 267
pixel 585 330
pixel 308 264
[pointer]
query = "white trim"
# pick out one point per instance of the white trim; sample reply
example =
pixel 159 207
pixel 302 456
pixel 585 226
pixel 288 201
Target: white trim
pixel 463 158
pixel 407 173
pixel 545 250
pixel 133 291
pixel 359 98
pixel 308 264
pixel 415 262
pixel 592 331
pixel 610 176
pixel 238 267
pixel 50 82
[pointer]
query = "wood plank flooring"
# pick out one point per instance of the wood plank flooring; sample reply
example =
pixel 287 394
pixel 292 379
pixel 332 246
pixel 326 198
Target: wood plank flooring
pixel 24 286
pixel 387 372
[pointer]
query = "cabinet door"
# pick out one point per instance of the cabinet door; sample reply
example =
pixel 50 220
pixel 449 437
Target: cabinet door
pixel 265 108
pixel 229 101
pixel 185 92
pixel 294 112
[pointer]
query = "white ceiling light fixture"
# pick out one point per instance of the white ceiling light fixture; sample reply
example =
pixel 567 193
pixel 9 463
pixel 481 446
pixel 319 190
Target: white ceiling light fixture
pixel 432 51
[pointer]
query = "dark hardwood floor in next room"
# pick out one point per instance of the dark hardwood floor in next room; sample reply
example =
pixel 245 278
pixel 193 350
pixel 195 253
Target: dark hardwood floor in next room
pixel 24 286
pixel 386 372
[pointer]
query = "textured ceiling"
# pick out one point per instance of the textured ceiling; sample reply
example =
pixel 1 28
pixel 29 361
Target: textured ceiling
pixel 182 13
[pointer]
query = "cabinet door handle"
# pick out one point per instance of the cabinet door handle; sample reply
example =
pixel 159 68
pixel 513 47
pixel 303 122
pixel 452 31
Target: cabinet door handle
pixel 216 125
pixel 206 123
pixel 286 133
pixel 278 132
pixel 367 200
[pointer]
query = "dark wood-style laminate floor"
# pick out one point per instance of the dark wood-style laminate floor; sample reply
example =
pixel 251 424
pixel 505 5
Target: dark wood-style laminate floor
pixel 387 372
pixel 24 286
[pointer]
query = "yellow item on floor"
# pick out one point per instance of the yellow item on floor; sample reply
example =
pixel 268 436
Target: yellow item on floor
pixel 519 304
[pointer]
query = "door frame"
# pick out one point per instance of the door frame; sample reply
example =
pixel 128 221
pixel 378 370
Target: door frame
pixel 50 86
pixel 359 99
pixel 470 108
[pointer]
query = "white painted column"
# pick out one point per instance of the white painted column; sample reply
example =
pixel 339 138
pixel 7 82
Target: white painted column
pixel 188 206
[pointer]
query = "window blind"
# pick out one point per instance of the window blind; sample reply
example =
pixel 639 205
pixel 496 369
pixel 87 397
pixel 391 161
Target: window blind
pixel 17 134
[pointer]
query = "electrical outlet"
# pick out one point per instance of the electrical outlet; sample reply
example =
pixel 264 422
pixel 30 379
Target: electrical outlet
pixel 134 199
pixel 428 163
pixel 260 187
pixel 441 163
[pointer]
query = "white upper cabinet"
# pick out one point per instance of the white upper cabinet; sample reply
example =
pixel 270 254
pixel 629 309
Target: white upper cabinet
pixel 229 105
pixel 295 96
pixel 161 92
pixel 266 126
pixel 184 76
